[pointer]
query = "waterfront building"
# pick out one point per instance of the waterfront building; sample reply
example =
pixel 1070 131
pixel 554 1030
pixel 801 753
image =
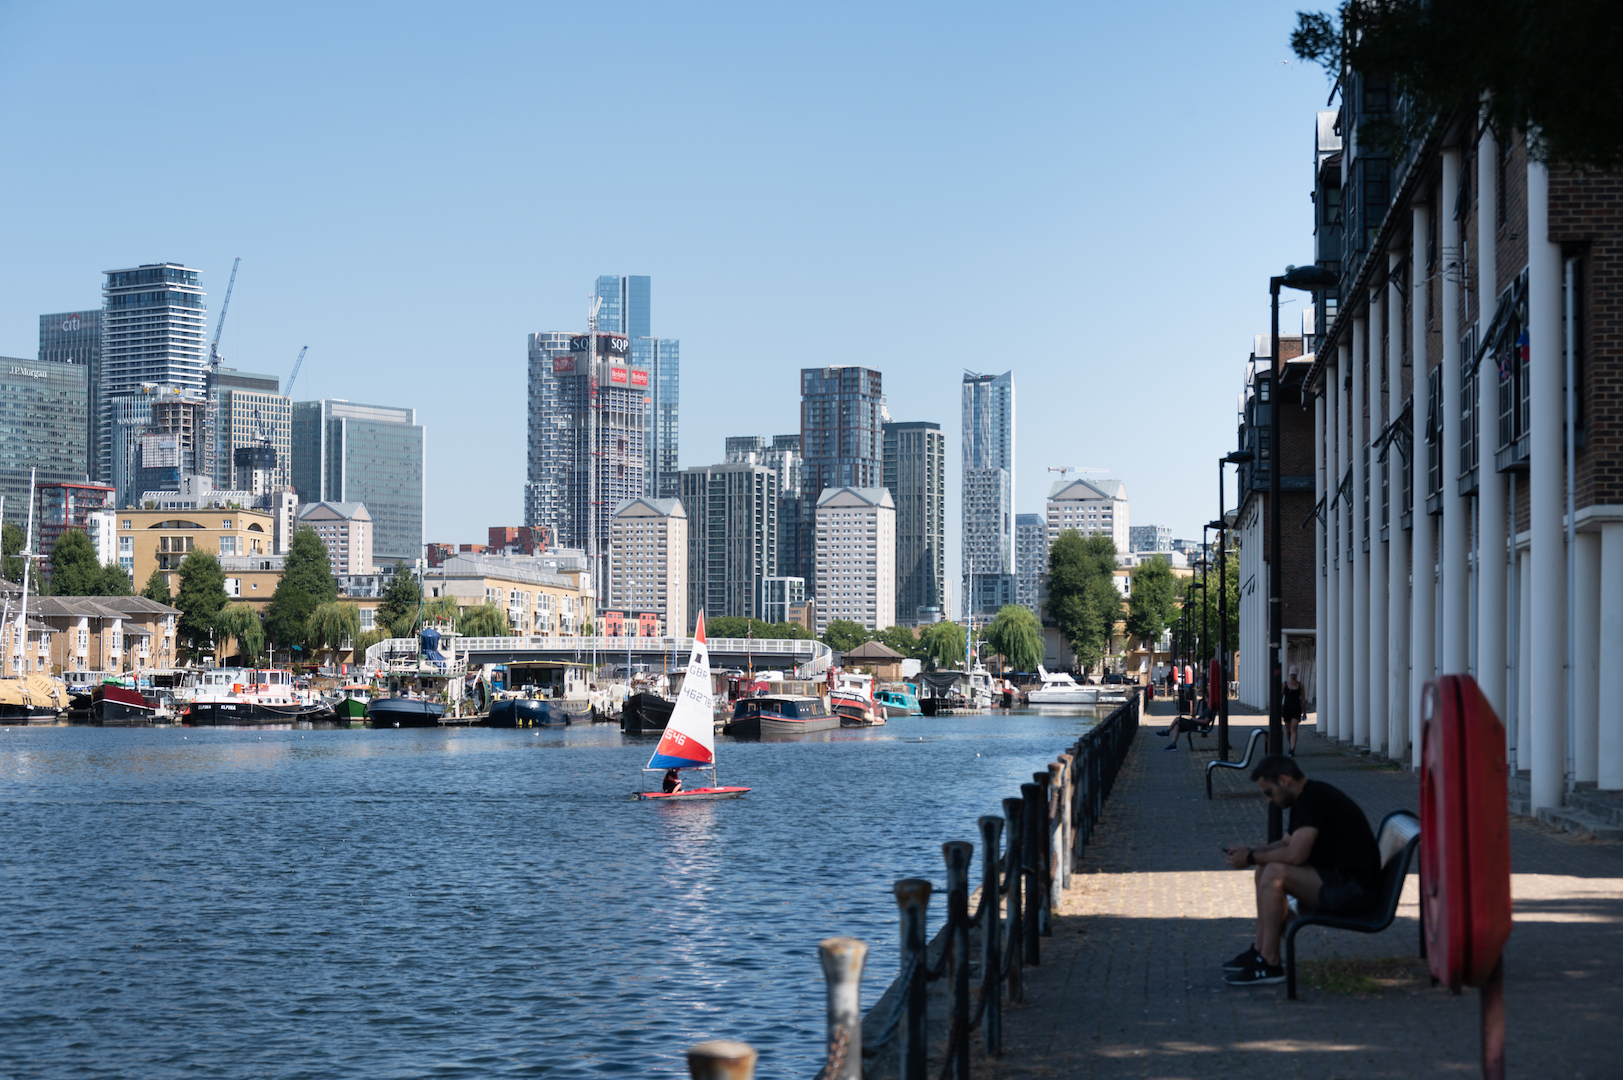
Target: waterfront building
pixel 542 598
pixel 915 472
pixel 160 539
pixel 856 557
pixel 778 597
pixel 101 633
pixel 42 421
pixel 732 511
pixel 346 529
pixel 1030 560
pixel 841 445
pixel 648 560
pixel 62 505
pixel 74 337
pixel 987 445
pixel 1089 507
pixel 153 330
pixel 1152 538
pixel 347 452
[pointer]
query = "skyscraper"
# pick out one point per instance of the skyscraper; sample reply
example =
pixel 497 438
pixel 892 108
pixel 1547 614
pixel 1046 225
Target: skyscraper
pixel 255 424
pixel 42 422
pixel 841 444
pixel 856 557
pixel 549 457
pixel 988 481
pixel 627 308
pixel 915 466
pixel 732 513
pixel 1030 559
pixel 153 330
pixel 344 451
pixel 74 337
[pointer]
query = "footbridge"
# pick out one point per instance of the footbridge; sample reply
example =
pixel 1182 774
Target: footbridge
pixel 400 654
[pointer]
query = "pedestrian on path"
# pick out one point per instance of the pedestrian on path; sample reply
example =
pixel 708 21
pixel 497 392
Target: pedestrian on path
pixel 1293 708
pixel 1328 861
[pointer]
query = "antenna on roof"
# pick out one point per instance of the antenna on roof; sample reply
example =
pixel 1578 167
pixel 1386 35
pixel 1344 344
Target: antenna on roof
pixel 1063 469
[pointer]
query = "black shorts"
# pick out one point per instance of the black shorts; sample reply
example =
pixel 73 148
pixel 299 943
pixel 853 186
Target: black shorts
pixel 1340 894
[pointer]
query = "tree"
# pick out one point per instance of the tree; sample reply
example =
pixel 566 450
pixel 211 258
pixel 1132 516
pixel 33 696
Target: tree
pixel 241 622
pixel 843 635
pixel 332 625
pixel 735 626
pixel 201 596
pixel 368 638
pixel 115 581
pixel 1152 605
pixel 483 620
pixel 943 644
pixel 900 638
pixel 1014 634
pixel 1547 66
pixel 306 584
pixel 75 570
pixel 1082 596
pixel 11 545
pixel 156 589
pixel 397 611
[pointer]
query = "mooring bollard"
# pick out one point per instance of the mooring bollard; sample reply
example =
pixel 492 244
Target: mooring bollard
pixel 1068 841
pixel 991 932
pixel 1040 903
pixel 913 903
pixel 722 1060
pixel 842 970
pixel 1031 833
pixel 1014 816
pixel 1056 837
pixel 957 854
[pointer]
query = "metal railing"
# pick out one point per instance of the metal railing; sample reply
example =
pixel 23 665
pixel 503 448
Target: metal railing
pixel 801 650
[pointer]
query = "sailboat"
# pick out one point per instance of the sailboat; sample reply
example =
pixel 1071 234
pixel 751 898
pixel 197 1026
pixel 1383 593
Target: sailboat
pixel 689 741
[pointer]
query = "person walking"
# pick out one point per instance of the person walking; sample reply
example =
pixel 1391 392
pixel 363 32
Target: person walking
pixel 1293 708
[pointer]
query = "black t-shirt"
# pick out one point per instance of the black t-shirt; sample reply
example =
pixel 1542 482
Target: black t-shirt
pixel 1345 840
pixel 1291 702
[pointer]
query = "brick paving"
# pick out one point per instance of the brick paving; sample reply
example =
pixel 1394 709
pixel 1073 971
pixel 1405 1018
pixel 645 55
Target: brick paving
pixel 1130 984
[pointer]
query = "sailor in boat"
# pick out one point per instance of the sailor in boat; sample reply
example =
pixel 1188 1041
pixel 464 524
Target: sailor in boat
pixel 673 781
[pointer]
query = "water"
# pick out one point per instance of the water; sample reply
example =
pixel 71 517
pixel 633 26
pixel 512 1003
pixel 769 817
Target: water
pixel 340 903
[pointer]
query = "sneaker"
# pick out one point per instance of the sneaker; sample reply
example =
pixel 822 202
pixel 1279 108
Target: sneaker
pixel 1245 960
pixel 1165 733
pixel 1261 973
pixel 1174 746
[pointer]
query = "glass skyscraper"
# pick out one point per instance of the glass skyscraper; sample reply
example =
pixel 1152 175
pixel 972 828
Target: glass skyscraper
pixel 915 464
pixel 42 422
pixel 74 337
pixel 153 330
pixel 344 451
pixel 627 309
pixel 841 445
pixel 988 478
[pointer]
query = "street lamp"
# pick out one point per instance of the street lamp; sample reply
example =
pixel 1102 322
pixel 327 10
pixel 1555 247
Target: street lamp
pixel 1238 457
pixel 1311 278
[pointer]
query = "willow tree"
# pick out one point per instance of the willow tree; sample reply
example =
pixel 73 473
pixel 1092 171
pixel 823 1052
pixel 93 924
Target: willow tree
pixel 241 622
pixel 332 625
pixel 1014 635
pixel 483 620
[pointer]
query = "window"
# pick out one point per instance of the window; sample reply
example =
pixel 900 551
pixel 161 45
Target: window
pixel 126 545
pixel 226 524
pixel 369 619
pixel 228 545
pixel 233 586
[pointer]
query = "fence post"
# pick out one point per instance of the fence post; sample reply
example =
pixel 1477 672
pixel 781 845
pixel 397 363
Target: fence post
pixel 1044 847
pixel 1068 841
pixel 1014 815
pixel 842 970
pixel 992 932
pixel 1056 837
pixel 957 854
pixel 913 901
pixel 1031 831
pixel 722 1060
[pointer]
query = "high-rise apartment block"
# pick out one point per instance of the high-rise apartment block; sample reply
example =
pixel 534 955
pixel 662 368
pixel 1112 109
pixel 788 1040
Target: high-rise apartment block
pixel 648 561
pixel 856 557
pixel 550 445
pixel 346 452
pixel 841 445
pixel 987 480
pixel 63 505
pixel 915 468
pixel 74 337
pixel 627 308
pixel 732 513
pixel 255 429
pixel 783 454
pixel 1090 507
pixel 153 330
pixel 1149 538
pixel 346 530
pixel 1030 559
pixel 42 423
pixel 779 596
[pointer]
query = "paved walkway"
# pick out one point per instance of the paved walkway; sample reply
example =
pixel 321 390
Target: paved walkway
pixel 1130 984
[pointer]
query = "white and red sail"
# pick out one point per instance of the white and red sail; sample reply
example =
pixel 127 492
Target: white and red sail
pixel 689 741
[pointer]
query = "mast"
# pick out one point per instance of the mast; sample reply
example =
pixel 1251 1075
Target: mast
pixel 591 465
pixel 28 545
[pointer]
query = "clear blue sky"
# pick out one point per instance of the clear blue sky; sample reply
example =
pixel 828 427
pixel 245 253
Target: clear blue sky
pixel 1092 195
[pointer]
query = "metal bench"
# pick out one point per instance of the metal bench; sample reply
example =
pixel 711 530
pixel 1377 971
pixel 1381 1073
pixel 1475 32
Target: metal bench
pixel 1397 838
pixel 1250 759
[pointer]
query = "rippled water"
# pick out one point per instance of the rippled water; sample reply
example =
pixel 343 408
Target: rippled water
pixel 292 904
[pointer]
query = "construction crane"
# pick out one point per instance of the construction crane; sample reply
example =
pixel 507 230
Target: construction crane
pixel 1063 469
pixel 287 391
pixel 211 407
pixel 214 346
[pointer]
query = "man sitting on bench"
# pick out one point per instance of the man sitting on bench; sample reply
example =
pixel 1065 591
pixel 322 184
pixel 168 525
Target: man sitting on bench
pixel 1328 861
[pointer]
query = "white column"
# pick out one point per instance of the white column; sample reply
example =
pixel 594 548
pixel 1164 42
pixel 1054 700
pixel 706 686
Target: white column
pixel 1377 554
pixel 1524 661
pixel 1493 559
pixel 1330 711
pixel 1397 547
pixel 1609 736
pixel 1586 658
pixel 1344 659
pixel 1546 469
pixel 1422 541
pixel 1322 672
pixel 1456 523
pixel 1360 557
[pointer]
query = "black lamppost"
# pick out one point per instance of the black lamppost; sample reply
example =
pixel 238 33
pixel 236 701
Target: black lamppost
pixel 1308 279
pixel 1238 457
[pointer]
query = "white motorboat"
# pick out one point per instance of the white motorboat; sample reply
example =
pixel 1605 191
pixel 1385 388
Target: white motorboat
pixel 1060 689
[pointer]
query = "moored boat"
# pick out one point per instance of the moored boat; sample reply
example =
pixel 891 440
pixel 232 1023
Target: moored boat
pixel 113 703
pixel 898 700
pixel 1060 689
pixel 780 716
pixel 403 712
pixel 352 705
pixel 35 696
pixel 645 713
pixel 526 712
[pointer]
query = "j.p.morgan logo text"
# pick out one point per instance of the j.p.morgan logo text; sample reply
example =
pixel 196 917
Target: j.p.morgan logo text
pixel 32 373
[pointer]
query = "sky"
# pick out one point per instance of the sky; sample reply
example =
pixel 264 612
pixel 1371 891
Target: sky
pixel 1092 196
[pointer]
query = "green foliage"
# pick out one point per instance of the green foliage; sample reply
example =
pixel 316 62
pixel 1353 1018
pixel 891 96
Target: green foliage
pixel 1548 66
pixel 332 625
pixel 368 638
pixel 241 622
pixel 75 570
pixel 843 635
pixel 11 544
pixel 733 626
pixel 1152 604
pixel 201 596
pixel 1204 626
pixel 1082 596
pixel 942 644
pixel 901 639
pixel 114 581
pixel 397 610
pixel 1014 635
pixel 307 583
pixel 155 588
pixel 483 620
pixel 441 609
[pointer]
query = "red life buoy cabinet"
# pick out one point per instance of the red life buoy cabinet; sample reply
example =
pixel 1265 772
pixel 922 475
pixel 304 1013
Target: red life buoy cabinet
pixel 1464 832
